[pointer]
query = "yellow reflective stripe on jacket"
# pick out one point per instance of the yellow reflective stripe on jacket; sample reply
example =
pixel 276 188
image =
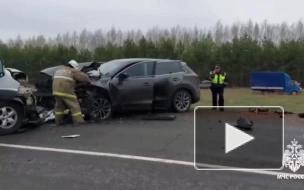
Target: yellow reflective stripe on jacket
pixel 64 77
pixel 219 79
pixel 64 95
pixel 76 114
pixel 59 113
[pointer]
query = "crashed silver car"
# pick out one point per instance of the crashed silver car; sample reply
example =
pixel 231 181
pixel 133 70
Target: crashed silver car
pixel 18 105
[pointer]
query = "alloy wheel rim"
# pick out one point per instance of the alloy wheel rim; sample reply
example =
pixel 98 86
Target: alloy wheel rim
pixel 182 101
pixel 8 117
pixel 101 108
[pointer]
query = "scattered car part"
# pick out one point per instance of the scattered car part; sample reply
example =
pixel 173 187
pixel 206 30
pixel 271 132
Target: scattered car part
pixel 301 115
pixel 285 112
pixel 160 117
pixel 70 136
pixel 266 111
pixel 48 115
pixel 244 123
pixel 259 110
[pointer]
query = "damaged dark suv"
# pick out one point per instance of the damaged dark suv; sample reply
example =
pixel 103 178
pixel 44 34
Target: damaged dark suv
pixel 135 84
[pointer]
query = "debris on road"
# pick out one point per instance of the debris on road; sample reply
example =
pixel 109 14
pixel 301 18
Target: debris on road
pixel 259 110
pixel 160 117
pixel 285 112
pixel 70 136
pixel 266 111
pixel 49 115
pixel 301 115
pixel 244 123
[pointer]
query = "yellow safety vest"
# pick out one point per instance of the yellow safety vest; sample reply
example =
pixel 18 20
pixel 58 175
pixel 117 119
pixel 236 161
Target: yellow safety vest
pixel 219 78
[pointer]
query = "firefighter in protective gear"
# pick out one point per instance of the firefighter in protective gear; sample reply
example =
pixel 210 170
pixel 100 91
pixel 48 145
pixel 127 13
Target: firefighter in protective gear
pixel 63 91
pixel 218 80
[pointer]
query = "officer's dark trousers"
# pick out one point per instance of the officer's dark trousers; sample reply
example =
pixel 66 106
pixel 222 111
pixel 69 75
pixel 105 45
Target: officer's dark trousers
pixel 217 96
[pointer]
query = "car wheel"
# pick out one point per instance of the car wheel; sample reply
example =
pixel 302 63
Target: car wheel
pixel 182 101
pixel 294 92
pixel 11 117
pixel 99 108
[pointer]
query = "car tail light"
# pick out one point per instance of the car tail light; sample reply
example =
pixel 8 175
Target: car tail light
pixel 196 77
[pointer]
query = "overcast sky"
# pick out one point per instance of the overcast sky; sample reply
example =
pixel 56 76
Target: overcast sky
pixel 49 17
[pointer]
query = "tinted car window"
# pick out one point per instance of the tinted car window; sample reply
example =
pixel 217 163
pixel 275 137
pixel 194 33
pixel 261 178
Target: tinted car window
pixel 140 70
pixel 168 67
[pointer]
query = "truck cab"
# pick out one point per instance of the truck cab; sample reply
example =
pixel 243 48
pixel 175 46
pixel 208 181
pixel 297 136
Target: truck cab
pixel 292 86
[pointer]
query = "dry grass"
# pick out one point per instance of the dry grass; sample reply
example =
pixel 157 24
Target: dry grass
pixel 246 97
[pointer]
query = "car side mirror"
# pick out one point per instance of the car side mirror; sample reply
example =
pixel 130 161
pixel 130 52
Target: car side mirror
pixel 1 68
pixel 122 76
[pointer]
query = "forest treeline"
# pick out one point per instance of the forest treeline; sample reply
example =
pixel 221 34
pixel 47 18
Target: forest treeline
pixel 240 48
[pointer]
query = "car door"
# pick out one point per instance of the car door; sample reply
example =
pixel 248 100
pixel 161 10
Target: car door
pixel 135 91
pixel 168 75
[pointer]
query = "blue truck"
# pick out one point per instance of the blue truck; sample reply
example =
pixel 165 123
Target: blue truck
pixel 274 81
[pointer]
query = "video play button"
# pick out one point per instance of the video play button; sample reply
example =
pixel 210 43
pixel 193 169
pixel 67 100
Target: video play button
pixel 235 138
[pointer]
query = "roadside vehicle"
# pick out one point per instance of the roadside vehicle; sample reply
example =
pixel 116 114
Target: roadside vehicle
pixel 274 81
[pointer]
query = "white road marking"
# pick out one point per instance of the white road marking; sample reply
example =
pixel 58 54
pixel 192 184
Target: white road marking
pixel 132 157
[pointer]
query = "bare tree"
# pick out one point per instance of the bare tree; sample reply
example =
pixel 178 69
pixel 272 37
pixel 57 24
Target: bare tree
pixel 218 32
pixel 83 39
pixel 284 32
pixel 235 29
pixel 111 35
pixel 18 41
pixel 40 41
pixel 74 40
pixel 300 29
pixel 250 28
pixel 11 43
pixel 243 30
pixel 66 39
pixel 256 32
pixel 293 32
pixel 59 39
pixel 227 33
pixel 138 36
pixel 99 38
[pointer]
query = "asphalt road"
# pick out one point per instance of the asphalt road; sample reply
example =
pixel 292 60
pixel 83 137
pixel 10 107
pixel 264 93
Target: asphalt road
pixel 167 163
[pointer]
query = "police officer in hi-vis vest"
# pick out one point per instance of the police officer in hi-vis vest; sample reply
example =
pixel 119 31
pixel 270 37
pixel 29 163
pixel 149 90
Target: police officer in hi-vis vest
pixel 218 80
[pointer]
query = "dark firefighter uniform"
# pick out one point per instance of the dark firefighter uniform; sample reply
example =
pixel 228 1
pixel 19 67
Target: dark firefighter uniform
pixel 218 84
pixel 63 90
